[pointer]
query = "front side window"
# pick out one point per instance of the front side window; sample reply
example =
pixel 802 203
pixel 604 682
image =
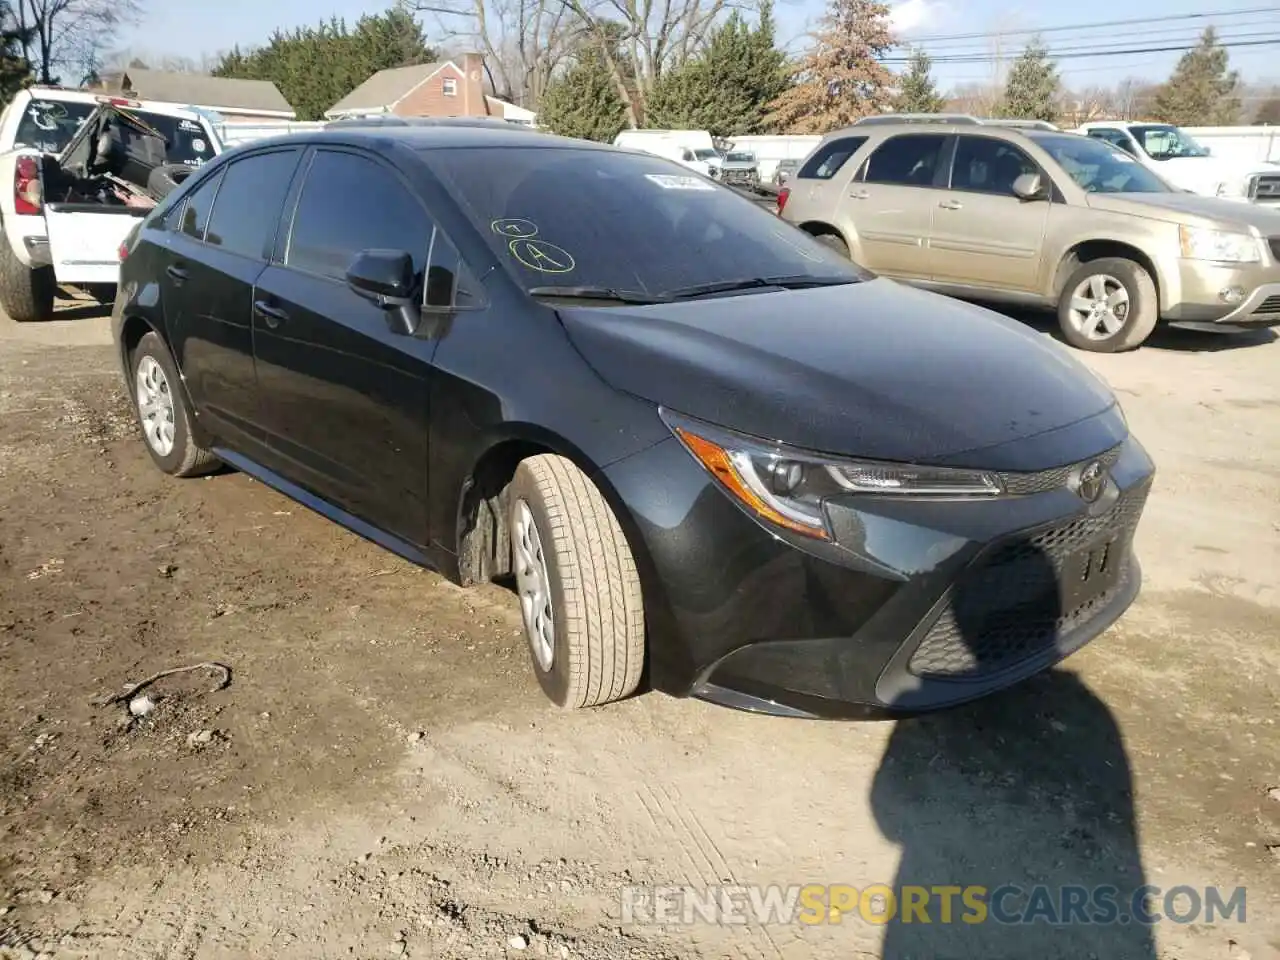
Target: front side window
pixel 351 203
pixel 248 205
pixel 910 160
pixel 568 216
pixel 195 214
pixel 830 157
pixel 1098 167
pixel 1117 138
pixel 986 165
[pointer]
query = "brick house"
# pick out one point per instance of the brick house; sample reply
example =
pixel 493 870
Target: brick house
pixel 447 88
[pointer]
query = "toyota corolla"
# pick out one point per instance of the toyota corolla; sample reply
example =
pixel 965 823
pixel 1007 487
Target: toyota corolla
pixel 704 450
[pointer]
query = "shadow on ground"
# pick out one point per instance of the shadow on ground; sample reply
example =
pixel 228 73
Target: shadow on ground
pixel 1164 337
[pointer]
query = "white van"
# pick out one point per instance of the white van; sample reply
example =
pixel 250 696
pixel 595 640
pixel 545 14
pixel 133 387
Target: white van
pixel 691 148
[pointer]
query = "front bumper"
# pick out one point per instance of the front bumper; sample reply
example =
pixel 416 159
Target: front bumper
pixel 919 605
pixel 1199 295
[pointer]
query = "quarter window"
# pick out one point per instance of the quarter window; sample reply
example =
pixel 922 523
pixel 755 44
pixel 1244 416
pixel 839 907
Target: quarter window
pixel 830 157
pixel 350 203
pixel 985 165
pixel 195 215
pixel 910 160
pixel 248 206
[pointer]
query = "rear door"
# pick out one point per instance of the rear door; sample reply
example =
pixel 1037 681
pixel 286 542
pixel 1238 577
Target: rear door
pixel 344 395
pixel 983 234
pixel 227 229
pixel 85 238
pixel 890 204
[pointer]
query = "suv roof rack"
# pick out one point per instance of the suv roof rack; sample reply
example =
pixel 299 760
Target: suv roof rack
pixel 1019 124
pixel 883 118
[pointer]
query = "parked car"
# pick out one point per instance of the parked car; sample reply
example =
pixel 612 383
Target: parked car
pixel 784 171
pixel 740 168
pixel 696 439
pixel 1040 218
pixel 1176 156
pixel 83 169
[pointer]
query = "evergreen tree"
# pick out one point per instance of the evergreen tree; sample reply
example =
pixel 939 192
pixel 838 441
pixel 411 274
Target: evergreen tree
pixel 315 67
pixel 728 86
pixel 916 90
pixel 15 70
pixel 1202 90
pixel 584 101
pixel 1031 92
pixel 842 78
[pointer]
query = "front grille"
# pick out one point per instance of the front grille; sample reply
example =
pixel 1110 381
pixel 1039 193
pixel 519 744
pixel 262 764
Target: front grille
pixel 1274 243
pixel 1268 307
pixel 1042 481
pixel 1008 606
pixel 1266 186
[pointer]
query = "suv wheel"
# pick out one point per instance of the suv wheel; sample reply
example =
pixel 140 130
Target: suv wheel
pixel 835 242
pixel 579 590
pixel 162 411
pixel 1108 306
pixel 26 294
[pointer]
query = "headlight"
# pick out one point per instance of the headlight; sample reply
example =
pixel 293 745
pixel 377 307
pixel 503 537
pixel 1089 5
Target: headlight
pixel 1201 244
pixel 787 487
pixel 1232 189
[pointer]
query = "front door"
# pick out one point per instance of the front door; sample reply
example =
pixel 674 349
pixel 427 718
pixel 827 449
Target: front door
pixel 890 205
pixel 983 235
pixel 344 393
pixel 215 254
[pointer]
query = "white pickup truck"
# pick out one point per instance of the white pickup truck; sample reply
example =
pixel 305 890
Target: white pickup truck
pixel 77 170
pixel 1178 159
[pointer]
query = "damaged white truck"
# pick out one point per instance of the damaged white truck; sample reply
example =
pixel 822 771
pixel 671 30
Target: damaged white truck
pixel 76 173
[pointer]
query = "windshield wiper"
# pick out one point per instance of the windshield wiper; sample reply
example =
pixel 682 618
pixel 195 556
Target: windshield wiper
pixel 793 282
pixel 598 293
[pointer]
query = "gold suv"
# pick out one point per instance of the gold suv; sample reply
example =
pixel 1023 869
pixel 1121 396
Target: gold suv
pixel 1039 218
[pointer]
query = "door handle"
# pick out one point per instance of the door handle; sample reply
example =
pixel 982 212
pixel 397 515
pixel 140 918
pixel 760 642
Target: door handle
pixel 176 272
pixel 273 316
pixel 951 205
pixel 860 195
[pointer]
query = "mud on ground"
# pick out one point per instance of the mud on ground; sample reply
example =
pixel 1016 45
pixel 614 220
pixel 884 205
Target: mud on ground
pixel 383 778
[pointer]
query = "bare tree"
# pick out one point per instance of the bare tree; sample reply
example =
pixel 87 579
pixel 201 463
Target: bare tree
pixel 70 34
pixel 523 41
pixel 977 99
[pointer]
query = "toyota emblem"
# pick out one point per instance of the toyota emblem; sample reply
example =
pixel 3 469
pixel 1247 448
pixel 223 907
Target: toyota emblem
pixel 1092 479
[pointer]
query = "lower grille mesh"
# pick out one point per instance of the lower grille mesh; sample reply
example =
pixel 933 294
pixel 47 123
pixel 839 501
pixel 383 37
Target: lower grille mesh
pixel 1008 606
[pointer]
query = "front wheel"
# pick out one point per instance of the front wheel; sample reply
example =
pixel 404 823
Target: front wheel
pixel 579 589
pixel 1108 306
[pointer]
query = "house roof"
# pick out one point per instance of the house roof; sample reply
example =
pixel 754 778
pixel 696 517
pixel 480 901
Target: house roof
pixel 202 91
pixel 386 87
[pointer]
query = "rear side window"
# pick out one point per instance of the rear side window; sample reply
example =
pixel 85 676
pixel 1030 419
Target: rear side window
pixel 195 214
pixel 248 206
pixel 909 160
pixel 49 125
pixel 830 157
pixel 348 204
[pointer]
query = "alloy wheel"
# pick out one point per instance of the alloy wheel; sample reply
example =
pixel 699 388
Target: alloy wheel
pixel 533 581
pixel 1099 307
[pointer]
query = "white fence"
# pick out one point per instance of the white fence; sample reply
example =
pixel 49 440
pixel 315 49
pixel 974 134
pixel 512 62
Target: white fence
pixel 232 134
pixel 1240 143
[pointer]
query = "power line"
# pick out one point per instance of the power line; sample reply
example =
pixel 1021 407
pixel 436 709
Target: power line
pixel 1168 33
pixel 1089 26
pixel 1089 53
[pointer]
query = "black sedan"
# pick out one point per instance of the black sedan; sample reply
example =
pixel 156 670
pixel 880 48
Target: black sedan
pixel 702 447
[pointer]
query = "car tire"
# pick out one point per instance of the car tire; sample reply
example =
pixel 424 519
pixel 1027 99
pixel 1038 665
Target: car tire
pixel 579 590
pixel 1089 307
pixel 26 294
pixel 162 181
pixel 160 404
pixel 835 242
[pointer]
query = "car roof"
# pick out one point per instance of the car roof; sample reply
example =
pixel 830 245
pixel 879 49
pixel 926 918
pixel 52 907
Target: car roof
pixel 942 127
pixel 432 136
pixel 383 121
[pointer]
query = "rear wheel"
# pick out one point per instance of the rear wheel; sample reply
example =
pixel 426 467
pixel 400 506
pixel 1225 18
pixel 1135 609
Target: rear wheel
pixel 1108 305
pixel 162 411
pixel 26 294
pixel 835 243
pixel 579 590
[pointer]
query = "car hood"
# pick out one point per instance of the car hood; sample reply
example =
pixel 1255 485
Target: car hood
pixel 1188 207
pixel 871 369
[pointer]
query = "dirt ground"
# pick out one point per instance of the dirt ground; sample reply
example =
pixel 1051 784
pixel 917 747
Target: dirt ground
pixel 383 778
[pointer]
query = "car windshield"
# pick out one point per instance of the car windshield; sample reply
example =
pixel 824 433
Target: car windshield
pixel 741 156
pixel 1099 167
pixel 706 153
pixel 1164 142
pixel 49 125
pixel 619 221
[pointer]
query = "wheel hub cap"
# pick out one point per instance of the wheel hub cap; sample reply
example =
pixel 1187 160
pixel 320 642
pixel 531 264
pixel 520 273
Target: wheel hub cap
pixel 155 406
pixel 534 585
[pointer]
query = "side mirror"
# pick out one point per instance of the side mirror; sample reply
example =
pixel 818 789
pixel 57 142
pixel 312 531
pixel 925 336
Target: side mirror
pixel 1029 186
pixel 387 278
